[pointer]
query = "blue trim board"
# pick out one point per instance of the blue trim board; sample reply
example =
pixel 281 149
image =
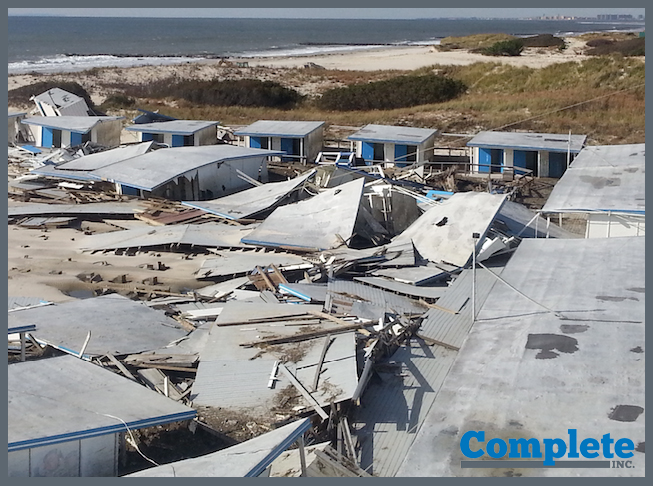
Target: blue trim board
pixel 295 293
pixel 279 449
pixel 110 429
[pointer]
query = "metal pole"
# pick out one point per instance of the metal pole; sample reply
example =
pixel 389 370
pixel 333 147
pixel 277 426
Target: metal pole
pixel 302 455
pixel 475 237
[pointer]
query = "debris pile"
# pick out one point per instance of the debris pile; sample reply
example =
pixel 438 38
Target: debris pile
pixel 320 301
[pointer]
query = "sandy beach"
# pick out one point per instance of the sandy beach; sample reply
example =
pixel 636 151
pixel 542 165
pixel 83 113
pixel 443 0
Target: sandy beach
pixel 403 58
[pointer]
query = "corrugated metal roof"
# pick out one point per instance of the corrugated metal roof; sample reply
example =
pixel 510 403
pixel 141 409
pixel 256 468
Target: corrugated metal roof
pixel 409 290
pixel 394 407
pixel 602 178
pixel 117 325
pixel 246 204
pixel 179 127
pixel 310 224
pixel 529 141
pixel 451 328
pixel 77 124
pixel 413 275
pixel 525 371
pixel 24 302
pixel 310 292
pixel 342 294
pixel 390 134
pixel 524 223
pixel 444 232
pixel 65 399
pixel 247 459
pixel 279 128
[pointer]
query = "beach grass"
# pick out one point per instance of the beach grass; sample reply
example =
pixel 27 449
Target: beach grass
pixel 602 98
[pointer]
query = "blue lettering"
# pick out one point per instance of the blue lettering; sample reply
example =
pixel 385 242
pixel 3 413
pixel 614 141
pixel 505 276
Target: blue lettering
pixel 623 445
pixel 491 450
pixel 516 444
pixel 587 446
pixel 464 443
pixel 573 452
pixel 606 441
pixel 549 455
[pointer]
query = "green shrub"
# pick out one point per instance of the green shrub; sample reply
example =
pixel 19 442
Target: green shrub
pixel 399 92
pixel 512 47
pixel 631 47
pixel 117 101
pixel 241 92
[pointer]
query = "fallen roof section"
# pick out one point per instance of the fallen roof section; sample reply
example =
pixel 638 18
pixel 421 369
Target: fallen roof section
pixel 94 161
pixel 214 235
pixel 116 325
pixel 444 232
pixel 247 459
pixel 564 341
pixel 602 178
pixel 239 263
pixel 309 224
pixel 251 202
pixel 64 399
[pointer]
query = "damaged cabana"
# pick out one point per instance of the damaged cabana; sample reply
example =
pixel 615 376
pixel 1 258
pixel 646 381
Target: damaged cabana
pixel 179 173
pixel 68 417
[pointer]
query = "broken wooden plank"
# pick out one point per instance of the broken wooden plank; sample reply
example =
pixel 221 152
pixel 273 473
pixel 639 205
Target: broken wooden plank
pixel 305 393
pixel 120 366
pixel 301 337
pixel 327 343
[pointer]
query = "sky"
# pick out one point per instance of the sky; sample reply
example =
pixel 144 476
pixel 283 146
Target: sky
pixel 375 13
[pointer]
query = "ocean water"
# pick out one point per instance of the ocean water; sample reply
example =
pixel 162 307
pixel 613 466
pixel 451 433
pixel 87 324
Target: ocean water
pixel 63 44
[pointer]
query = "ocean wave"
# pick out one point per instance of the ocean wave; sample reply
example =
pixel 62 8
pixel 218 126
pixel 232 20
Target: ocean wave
pixel 73 63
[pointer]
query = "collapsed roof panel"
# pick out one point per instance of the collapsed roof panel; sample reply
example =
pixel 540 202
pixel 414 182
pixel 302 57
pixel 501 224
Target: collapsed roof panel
pixel 205 235
pixel 96 160
pixel 311 224
pixel 250 202
pixel 233 263
pixel 64 398
pixel 444 232
pixel 116 324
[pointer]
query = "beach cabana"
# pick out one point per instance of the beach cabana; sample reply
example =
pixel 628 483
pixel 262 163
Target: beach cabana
pixel 605 186
pixel 179 173
pixel 300 141
pixel 58 102
pixel 514 154
pixel 177 133
pixel 394 145
pixel 68 417
pixel 68 131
